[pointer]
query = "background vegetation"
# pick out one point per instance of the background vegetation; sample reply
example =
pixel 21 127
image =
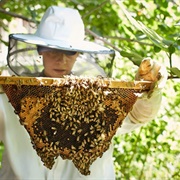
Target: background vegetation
pixel 135 29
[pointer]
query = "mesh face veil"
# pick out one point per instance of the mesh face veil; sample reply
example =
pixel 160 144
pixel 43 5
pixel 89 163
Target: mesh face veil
pixel 24 60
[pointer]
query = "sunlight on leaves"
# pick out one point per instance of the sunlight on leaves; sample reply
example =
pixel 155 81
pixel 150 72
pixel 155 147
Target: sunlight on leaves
pixel 152 35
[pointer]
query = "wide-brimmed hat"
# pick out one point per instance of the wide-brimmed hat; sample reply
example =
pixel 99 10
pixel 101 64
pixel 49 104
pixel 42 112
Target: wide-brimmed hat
pixel 62 28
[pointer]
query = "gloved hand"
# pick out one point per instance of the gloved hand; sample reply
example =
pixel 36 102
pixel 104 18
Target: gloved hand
pixel 147 105
pixel 150 70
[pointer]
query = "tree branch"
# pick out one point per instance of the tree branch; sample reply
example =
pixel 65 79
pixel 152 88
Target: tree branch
pixel 2 2
pixel 129 40
pixel 16 15
pixel 95 9
pixel 102 39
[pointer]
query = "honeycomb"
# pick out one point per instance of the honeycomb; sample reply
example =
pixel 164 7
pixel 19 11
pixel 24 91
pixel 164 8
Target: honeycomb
pixel 75 119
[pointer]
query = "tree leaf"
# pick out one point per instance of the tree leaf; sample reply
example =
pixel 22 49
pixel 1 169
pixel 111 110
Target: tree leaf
pixel 152 35
pixel 171 49
pixel 175 71
pixel 134 57
pixel 157 49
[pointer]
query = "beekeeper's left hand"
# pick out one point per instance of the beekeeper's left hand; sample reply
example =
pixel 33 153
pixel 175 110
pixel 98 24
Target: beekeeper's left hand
pixel 147 106
pixel 150 70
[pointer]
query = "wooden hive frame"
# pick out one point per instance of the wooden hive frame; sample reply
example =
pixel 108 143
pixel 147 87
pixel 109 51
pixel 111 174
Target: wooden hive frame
pixel 72 117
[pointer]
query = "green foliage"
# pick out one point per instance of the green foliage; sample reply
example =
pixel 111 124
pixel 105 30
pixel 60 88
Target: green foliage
pixel 166 39
pixel 175 71
pixel 136 29
pixel 1 152
pixel 148 153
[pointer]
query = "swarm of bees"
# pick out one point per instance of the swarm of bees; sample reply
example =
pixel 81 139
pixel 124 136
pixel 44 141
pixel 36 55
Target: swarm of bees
pixel 75 119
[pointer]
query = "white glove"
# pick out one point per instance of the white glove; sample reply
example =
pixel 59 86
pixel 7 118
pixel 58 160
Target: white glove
pixel 147 106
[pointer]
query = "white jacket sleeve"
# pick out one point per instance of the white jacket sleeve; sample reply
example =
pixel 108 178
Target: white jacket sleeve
pixel 144 110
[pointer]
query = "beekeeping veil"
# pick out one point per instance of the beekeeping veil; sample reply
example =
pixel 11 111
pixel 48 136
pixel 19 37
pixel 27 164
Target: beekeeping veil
pixel 60 29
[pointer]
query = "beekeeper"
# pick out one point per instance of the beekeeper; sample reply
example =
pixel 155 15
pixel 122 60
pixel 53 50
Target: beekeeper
pixel 59 40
